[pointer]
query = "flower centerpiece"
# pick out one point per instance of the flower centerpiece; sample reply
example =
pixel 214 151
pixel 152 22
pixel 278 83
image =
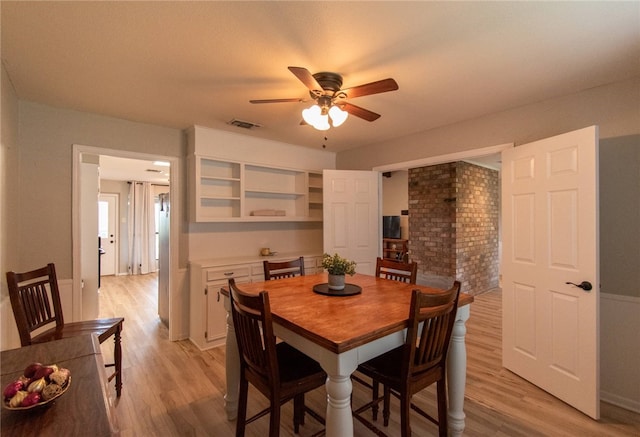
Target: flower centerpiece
pixel 337 267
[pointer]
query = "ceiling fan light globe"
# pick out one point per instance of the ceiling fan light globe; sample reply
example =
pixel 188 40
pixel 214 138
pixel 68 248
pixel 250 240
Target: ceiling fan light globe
pixel 322 123
pixel 338 116
pixel 312 114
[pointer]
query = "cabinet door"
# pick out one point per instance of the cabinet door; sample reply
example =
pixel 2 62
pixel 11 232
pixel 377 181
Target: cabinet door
pixel 216 317
pixel 313 265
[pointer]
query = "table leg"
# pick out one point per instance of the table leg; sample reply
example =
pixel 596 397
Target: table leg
pixel 232 358
pixel 339 421
pixel 457 372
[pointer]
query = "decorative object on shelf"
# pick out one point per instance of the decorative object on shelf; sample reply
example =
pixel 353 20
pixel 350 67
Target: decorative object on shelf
pixel 269 212
pixel 265 251
pixel 337 267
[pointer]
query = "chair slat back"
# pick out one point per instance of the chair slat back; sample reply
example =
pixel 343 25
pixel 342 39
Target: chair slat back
pixel 283 269
pixel 430 325
pixel 35 300
pixel 254 333
pixel 397 270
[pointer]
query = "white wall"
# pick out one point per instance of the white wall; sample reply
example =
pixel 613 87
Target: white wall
pixel 613 107
pixel 395 193
pixel 9 202
pixel 47 136
pixel 620 215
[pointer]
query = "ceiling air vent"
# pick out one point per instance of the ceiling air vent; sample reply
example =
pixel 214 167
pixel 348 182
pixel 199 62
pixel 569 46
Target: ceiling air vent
pixel 244 124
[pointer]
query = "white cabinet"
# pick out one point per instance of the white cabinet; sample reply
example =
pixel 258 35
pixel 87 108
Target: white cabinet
pixel 222 190
pixel 208 317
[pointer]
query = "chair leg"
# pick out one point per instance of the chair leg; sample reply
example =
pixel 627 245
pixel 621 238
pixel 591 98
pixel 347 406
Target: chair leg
pixel 298 412
pixel 374 408
pixel 386 410
pixel 405 412
pixel 274 418
pixel 442 408
pixel 242 407
pixel 117 355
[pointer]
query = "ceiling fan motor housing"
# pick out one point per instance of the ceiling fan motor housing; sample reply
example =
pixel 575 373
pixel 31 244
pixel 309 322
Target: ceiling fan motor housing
pixel 329 81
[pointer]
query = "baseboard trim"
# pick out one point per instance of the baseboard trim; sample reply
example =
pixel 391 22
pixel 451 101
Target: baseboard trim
pixel 618 401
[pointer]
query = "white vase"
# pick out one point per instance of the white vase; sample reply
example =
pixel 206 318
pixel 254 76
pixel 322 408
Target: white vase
pixel 336 282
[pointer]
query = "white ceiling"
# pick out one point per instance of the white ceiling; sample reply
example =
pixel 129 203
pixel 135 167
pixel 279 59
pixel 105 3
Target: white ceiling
pixel 125 169
pixel 179 63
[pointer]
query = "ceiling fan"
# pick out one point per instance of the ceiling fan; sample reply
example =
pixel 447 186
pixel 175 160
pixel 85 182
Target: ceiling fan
pixel 330 100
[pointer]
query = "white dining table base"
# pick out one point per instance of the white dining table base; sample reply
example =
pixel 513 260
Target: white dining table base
pixel 339 367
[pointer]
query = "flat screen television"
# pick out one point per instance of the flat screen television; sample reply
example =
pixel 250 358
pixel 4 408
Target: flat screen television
pixel 391 226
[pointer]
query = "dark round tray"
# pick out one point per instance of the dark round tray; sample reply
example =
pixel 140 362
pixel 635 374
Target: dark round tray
pixel 349 290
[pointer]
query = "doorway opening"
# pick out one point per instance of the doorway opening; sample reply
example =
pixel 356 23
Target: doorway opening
pixel 454 188
pixel 87 175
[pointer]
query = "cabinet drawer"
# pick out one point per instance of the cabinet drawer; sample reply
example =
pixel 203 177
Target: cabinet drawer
pixel 227 272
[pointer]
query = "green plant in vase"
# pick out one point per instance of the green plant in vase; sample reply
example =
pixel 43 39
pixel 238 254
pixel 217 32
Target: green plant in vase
pixel 337 267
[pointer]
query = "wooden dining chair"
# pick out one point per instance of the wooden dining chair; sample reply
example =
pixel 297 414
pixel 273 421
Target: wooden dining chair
pixel 397 270
pixel 279 371
pixel 35 299
pixel 420 362
pixel 283 269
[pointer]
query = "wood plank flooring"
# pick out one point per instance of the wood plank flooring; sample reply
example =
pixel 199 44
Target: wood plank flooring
pixel 173 389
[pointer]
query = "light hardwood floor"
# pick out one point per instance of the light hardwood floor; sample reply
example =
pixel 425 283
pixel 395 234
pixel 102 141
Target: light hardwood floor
pixel 173 389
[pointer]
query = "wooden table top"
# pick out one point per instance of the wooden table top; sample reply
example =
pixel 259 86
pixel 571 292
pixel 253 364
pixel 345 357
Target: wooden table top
pixel 82 410
pixel 341 323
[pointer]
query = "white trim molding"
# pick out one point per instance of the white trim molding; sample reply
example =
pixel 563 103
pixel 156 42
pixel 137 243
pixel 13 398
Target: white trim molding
pixel 441 159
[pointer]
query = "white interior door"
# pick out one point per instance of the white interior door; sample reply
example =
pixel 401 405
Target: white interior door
pixel 351 216
pixel 108 232
pixel 550 234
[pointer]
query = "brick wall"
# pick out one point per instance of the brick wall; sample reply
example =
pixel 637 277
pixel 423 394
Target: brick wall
pixel 432 219
pixel 477 217
pixel 453 224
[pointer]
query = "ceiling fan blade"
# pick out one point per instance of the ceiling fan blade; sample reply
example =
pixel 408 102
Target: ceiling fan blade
pixel 277 101
pixel 381 86
pixel 359 112
pixel 306 78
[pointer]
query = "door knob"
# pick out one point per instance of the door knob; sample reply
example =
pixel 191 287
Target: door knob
pixel 585 285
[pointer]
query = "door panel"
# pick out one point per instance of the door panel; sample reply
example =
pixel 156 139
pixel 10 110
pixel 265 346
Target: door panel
pixel 550 235
pixel 107 231
pixel 351 216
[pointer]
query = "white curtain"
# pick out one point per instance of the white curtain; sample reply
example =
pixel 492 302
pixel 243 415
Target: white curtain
pixel 141 229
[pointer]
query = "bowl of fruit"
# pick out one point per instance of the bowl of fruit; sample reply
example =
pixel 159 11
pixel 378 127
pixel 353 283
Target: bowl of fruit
pixel 38 386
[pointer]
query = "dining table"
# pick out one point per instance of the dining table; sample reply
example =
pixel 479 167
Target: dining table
pixel 84 409
pixel 341 330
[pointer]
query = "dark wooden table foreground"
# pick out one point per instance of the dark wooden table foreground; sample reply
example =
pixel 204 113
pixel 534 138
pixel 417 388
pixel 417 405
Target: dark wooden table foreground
pixel 83 410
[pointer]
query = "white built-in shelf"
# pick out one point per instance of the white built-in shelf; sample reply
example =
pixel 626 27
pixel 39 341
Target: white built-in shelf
pixel 222 190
